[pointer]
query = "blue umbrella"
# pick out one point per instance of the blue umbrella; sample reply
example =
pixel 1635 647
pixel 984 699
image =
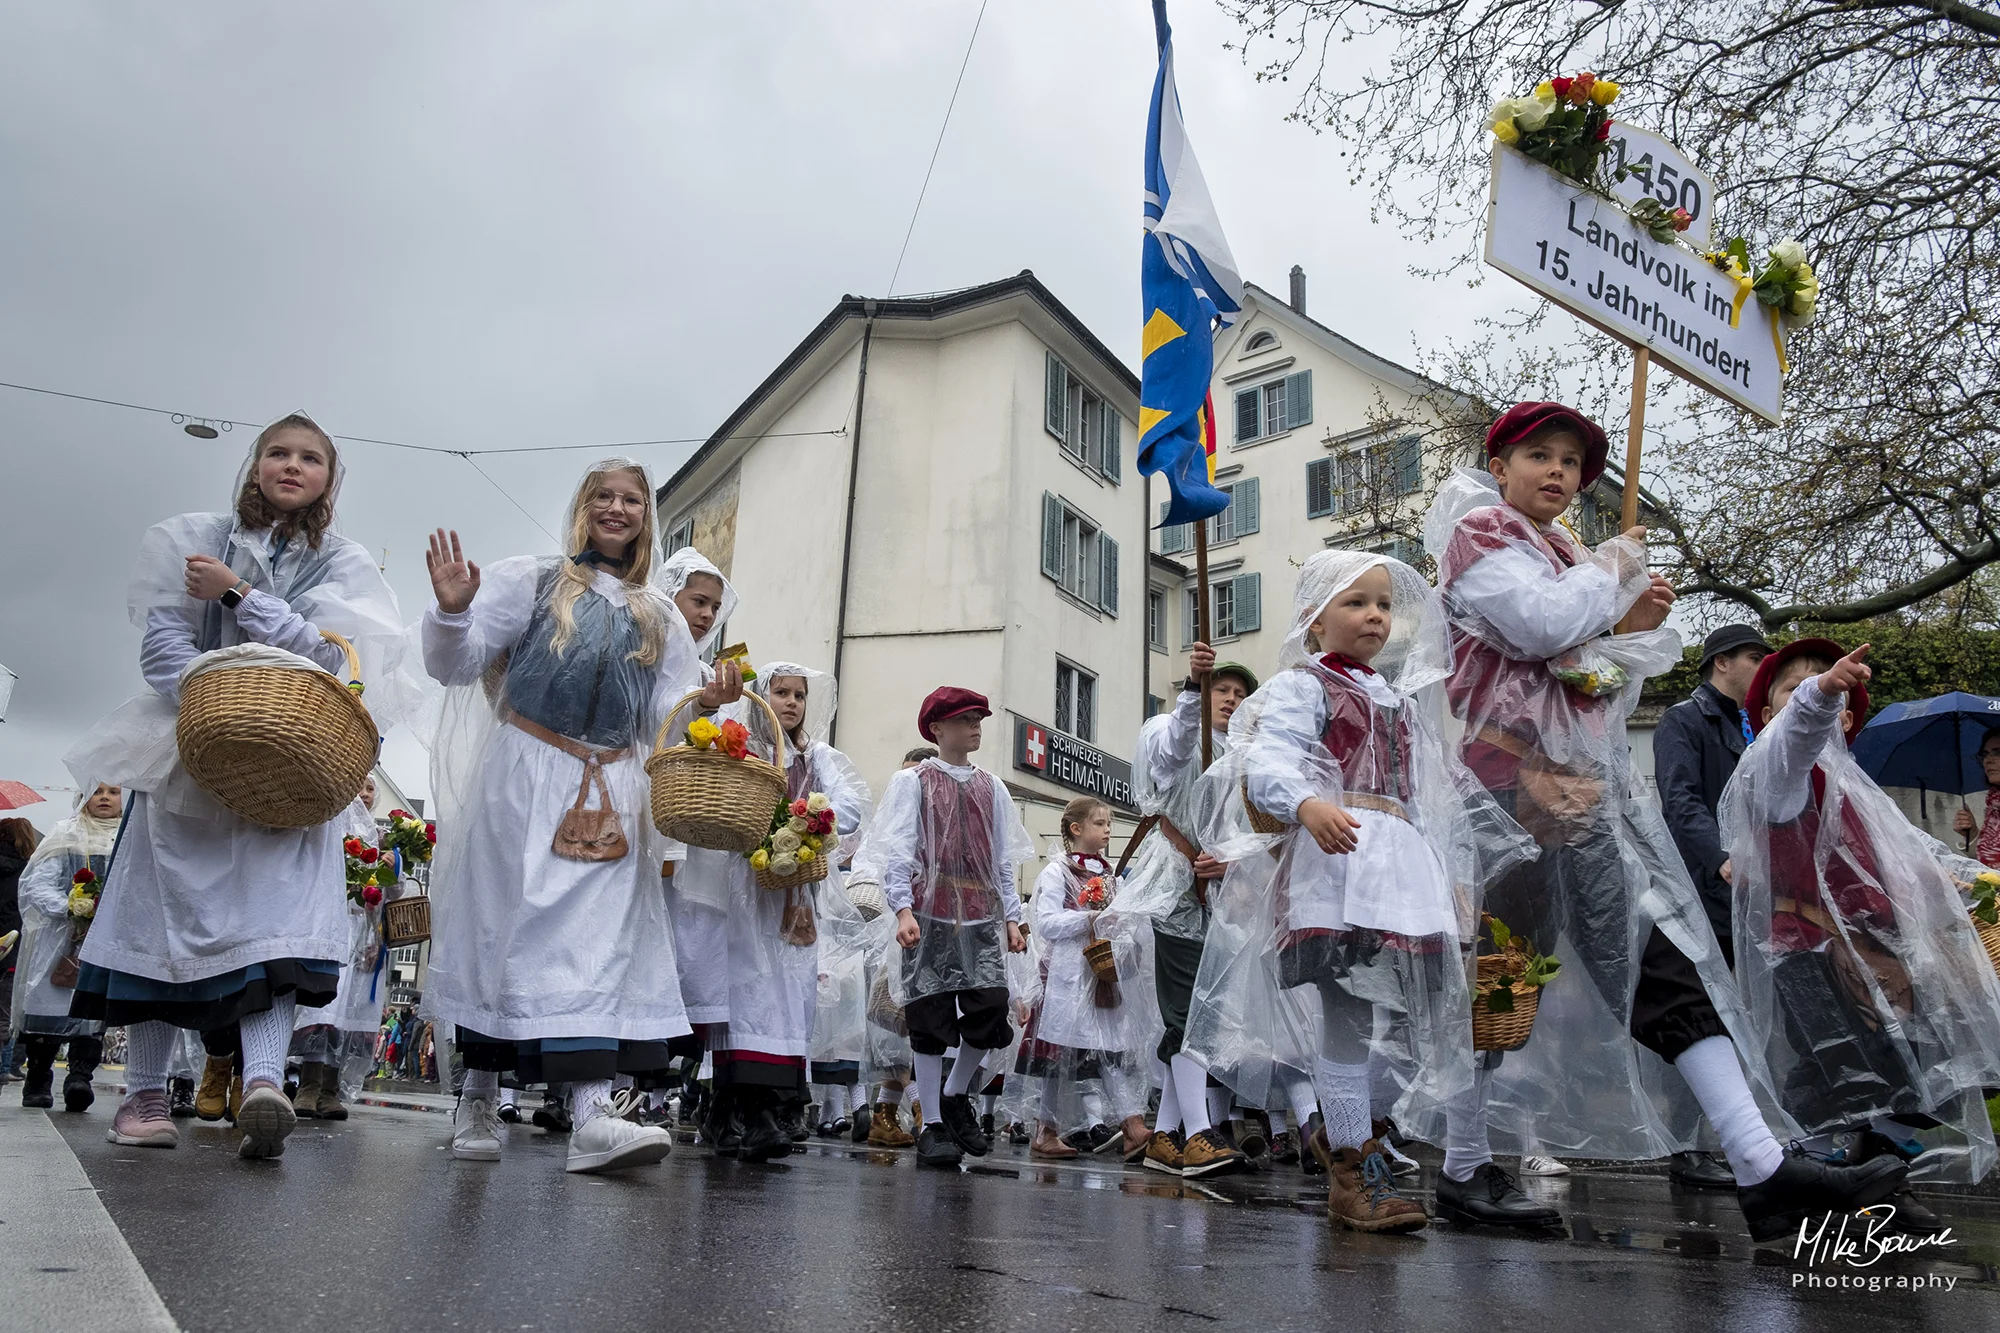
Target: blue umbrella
pixel 1929 744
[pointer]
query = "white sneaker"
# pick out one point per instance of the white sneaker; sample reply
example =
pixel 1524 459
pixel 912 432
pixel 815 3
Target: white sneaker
pixel 475 1131
pixel 607 1143
pixel 1537 1165
pixel 1399 1164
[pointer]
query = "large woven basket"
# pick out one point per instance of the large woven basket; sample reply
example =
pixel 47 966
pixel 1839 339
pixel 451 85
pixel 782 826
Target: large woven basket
pixel 280 747
pixel 706 799
pixel 1508 1031
pixel 406 921
pixel 1989 936
pixel 812 872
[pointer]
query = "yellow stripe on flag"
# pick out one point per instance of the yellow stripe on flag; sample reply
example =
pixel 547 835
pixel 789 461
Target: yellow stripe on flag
pixel 1159 331
pixel 1150 417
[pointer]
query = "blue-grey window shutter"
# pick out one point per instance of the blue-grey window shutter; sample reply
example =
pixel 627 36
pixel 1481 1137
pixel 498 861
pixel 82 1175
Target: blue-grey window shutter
pixel 1055 413
pixel 1319 488
pixel 1246 414
pixel 1113 444
pixel 1249 602
pixel 1409 465
pixel 1299 399
pixel 1174 538
pixel 1107 568
pixel 1052 536
pixel 1243 498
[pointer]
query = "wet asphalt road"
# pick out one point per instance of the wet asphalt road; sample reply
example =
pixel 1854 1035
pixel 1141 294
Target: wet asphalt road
pixel 371 1225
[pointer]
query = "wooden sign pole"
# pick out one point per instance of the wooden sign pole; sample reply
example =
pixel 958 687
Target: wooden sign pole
pixel 1201 635
pixel 1635 434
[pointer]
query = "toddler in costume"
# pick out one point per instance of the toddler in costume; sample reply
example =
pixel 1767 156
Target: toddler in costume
pixel 1861 972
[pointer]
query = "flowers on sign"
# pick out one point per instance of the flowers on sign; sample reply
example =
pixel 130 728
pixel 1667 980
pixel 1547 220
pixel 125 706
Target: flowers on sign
pixel 84 891
pixel 800 831
pixel 1563 124
pixel 1663 224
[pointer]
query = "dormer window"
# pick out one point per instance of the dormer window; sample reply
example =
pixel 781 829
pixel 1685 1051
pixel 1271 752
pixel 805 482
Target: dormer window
pixel 1263 340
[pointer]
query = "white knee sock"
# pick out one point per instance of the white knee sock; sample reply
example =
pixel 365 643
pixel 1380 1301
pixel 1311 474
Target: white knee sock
pixel 1192 1082
pixel 1218 1104
pixel 265 1037
pixel 482 1085
pixel 964 1071
pixel 1466 1148
pixel 658 1099
pixel 1299 1092
pixel 148 1048
pixel 1169 1118
pixel 930 1086
pixel 508 1096
pixel 1093 1107
pixel 587 1101
pixel 1711 1070
pixel 989 1104
pixel 1343 1101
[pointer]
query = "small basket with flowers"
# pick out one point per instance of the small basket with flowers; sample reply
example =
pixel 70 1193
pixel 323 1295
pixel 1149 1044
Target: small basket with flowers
pixel 797 848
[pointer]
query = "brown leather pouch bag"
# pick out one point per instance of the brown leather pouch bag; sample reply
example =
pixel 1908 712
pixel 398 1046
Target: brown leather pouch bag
pixel 586 834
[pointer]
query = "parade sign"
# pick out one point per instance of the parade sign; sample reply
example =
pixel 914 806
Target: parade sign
pixel 1061 759
pixel 1586 254
pixel 1655 169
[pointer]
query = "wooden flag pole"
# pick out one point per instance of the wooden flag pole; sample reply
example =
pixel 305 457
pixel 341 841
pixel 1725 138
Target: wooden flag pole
pixel 1201 635
pixel 1635 434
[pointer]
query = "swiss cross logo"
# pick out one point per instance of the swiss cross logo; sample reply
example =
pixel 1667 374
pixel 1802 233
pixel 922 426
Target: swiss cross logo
pixel 1035 745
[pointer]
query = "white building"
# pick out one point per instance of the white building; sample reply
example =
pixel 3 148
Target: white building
pixel 940 491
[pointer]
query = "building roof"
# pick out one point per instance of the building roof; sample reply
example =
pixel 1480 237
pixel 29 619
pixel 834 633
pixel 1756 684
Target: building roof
pixel 1370 363
pixel 929 306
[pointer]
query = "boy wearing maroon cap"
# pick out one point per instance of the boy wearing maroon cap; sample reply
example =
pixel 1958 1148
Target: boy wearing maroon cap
pixel 947 840
pixel 1545 688
pixel 1858 962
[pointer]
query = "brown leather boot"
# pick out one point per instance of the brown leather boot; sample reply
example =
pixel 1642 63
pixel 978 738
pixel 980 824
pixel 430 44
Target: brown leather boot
pixel 887 1130
pixel 329 1106
pixel 1048 1145
pixel 1363 1196
pixel 305 1102
pixel 211 1099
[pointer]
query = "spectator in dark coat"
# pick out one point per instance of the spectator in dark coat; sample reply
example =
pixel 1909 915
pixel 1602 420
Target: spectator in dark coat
pixel 1695 749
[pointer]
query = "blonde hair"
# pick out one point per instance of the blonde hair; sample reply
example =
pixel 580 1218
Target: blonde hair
pixel 575 579
pixel 255 512
pixel 1078 810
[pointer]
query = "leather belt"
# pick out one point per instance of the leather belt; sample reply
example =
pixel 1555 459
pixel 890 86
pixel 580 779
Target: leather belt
pixel 575 749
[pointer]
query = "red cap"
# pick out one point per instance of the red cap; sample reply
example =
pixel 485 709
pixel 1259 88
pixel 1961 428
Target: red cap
pixel 948 701
pixel 1759 695
pixel 1521 420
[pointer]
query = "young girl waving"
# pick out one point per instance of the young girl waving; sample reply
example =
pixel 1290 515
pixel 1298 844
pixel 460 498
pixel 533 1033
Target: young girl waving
pixel 552 953
pixel 208 920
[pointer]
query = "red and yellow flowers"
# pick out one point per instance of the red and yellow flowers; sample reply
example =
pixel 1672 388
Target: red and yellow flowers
pixel 731 738
pixel 1092 896
pixel 367 872
pixel 84 891
pixel 1563 124
pixel 799 835
pixel 411 837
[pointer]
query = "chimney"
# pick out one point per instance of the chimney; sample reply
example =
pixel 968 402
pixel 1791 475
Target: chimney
pixel 1298 301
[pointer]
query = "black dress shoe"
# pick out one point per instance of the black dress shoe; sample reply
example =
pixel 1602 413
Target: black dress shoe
pixel 764 1138
pixel 1491 1198
pixel 864 1120
pixel 936 1147
pixel 38 1089
pixel 1700 1171
pixel 792 1121
pixel 77 1092
pixel 963 1125
pixel 510 1113
pixel 180 1098
pixel 1912 1217
pixel 1804 1186
pixel 1256 1140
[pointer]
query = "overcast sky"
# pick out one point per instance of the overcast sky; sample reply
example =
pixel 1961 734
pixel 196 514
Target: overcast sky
pixel 498 225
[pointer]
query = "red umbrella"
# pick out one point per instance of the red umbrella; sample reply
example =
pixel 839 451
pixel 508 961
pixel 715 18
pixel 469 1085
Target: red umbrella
pixel 14 795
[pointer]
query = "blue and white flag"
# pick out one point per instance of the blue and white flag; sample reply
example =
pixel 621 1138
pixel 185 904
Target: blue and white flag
pixel 1189 286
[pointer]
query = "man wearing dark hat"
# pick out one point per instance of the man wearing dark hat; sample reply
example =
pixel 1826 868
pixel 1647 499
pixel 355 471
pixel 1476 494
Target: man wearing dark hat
pixel 1695 749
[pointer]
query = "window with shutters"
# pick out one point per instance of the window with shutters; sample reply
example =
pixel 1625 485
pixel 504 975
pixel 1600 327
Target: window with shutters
pixel 1400 548
pixel 1376 473
pixel 1156 619
pixel 682 535
pixel 1243 516
pixel 1235 607
pixel 1088 427
pixel 1079 556
pixel 1319 488
pixel 1179 537
pixel 1265 410
pixel 1076 701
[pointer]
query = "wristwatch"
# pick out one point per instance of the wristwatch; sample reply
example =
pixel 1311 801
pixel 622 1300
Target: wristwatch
pixel 233 597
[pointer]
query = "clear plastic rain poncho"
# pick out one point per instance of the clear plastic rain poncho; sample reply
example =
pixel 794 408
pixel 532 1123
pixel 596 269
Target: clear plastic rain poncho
pixel 948 842
pixel 196 892
pixel 1086 1051
pixel 336 586
pixel 1382 932
pixel 1159 883
pixel 840 1020
pixel 674 573
pixel 1866 984
pixel 773 933
pixel 1544 689
pixel 528 944
pixel 49 931
pixel 343 1033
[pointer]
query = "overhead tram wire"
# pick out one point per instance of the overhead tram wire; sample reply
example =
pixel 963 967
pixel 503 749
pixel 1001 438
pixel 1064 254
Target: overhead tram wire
pixel 925 188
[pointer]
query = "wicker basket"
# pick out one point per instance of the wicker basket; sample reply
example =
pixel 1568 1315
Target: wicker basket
pixel 406 921
pixel 1989 936
pixel 1508 1031
pixel 1259 821
pixel 812 872
pixel 1101 959
pixel 278 746
pixel 706 799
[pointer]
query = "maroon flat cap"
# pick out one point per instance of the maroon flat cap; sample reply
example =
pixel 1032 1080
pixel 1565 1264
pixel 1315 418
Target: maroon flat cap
pixel 948 701
pixel 1521 420
pixel 1758 698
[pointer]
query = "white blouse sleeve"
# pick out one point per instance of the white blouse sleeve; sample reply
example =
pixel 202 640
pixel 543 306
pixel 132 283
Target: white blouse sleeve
pixel 1053 921
pixel 165 650
pixel 1286 753
pixel 1012 844
pixel 1536 615
pixel 1790 744
pixel 1167 743
pixel 458 647
pixel 270 619
pixel 43 889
